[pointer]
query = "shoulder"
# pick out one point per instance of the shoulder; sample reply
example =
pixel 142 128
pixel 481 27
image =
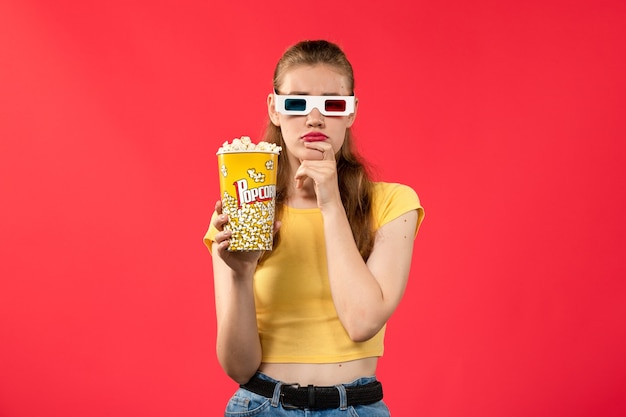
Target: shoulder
pixel 394 193
pixel 391 200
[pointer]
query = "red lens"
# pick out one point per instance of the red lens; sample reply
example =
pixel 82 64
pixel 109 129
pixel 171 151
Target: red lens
pixel 335 105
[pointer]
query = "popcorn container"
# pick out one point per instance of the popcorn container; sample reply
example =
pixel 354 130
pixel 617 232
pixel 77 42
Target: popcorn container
pixel 248 193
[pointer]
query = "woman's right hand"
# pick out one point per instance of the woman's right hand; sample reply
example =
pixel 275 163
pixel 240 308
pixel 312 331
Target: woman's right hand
pixel 239 261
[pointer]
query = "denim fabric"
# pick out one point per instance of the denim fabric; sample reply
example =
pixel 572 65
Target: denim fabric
pixel 248 404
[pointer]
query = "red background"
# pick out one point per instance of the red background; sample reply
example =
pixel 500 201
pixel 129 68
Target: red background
pixel 506 117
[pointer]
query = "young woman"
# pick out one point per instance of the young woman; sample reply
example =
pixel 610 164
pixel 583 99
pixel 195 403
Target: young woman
pixel 301 327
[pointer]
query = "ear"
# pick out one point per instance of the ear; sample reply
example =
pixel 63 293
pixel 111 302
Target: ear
pixel 352 116
pixel 271 110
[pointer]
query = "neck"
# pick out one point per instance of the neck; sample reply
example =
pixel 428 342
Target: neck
pixel 304 197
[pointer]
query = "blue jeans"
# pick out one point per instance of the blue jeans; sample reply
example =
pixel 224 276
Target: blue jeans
pixel 248 404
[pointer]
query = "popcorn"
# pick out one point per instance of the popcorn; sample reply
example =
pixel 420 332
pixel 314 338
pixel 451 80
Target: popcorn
pixel 248 188
pixel 251 224
pixel 245 144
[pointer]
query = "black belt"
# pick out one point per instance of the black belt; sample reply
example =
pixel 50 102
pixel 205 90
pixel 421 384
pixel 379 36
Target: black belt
pixel 314 397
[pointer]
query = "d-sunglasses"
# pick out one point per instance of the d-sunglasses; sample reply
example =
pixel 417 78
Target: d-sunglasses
pixel 302 105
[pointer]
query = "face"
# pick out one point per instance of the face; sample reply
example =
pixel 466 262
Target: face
pixel 318 80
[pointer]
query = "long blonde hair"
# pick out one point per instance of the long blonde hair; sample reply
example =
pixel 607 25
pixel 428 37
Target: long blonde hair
pixel 355 185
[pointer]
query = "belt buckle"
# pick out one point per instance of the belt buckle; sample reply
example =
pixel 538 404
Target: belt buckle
pixel 288 406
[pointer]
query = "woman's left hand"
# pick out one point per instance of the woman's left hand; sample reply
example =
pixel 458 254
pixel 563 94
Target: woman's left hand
pixel 323 173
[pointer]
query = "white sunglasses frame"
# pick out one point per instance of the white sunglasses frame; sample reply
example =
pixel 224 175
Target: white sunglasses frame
pixel 313 102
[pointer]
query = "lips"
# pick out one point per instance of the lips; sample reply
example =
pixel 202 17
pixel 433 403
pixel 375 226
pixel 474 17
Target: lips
pixel 314 137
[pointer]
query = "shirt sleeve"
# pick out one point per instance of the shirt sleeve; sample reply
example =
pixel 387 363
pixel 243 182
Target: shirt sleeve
pixel 209 236
pixel 391 200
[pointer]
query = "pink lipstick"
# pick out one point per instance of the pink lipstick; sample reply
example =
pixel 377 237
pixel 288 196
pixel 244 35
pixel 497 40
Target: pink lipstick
pixel 314 137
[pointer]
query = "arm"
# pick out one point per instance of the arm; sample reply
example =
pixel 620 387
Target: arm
pixel 365 295
pixel 238 345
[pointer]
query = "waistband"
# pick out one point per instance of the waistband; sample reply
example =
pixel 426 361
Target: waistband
pixel 316 397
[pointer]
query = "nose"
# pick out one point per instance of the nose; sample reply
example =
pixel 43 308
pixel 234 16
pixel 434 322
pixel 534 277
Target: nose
pixel 315 118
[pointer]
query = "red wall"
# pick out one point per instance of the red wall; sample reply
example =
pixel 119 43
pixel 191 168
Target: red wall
pixel 506 117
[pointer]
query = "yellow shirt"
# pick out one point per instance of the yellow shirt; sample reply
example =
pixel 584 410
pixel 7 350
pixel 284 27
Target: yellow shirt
pixel 296 316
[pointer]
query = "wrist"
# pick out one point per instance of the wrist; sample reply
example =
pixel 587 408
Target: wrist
pixel 333 209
